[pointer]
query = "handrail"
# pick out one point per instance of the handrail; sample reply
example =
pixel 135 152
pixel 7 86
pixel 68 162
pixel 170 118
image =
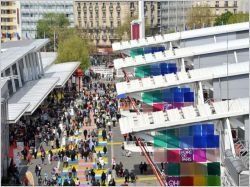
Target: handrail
pixel 151 163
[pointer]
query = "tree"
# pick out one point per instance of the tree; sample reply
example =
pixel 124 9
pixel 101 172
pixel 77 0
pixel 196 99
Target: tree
pixel 239 17
pixel 199 16
pixel 74 48
pixel 223 18
pixel 50 26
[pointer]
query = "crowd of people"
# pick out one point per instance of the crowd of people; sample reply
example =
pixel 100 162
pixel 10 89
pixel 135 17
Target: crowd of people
pixel 49 134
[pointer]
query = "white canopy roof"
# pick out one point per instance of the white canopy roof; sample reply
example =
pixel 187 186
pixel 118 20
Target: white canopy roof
pixel 158 57
pixel 48 58
pixel 12 55
pixel 184 116
pixel 161 39
pixel 33 92
pixel 15 111
pixel 168 80
pixel 62 71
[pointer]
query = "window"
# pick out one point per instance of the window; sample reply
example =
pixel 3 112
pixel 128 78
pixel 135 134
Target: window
pixel 226 10
pixel 226 4
pixel 91 24
pixel 104 14
pixel 118 14
pixel 235 3
pixel 132 5
pixel 235 11
pixel 111 24
pixel 131 14
pixel 217 4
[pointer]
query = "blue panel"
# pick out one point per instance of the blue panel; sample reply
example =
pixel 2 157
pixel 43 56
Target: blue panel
pixel 185 90
pixel 197 130
pixel 121 96
pixel 178 97
pixel 200 141
pixel 186 142
pixel 172 69
pixel 184 131
pixel 207 129
pixel 213 141
pixel 189 97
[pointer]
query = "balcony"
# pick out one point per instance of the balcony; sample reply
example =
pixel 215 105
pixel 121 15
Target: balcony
pixel 118 8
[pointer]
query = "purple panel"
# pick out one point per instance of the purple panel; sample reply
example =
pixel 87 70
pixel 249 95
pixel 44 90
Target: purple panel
pixel 186 155
pixel 173 181
pixel 200 155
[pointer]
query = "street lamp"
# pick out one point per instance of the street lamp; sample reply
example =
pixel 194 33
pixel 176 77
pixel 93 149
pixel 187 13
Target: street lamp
pixel 79 74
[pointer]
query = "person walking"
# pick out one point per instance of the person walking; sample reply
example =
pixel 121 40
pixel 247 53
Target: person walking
pixel 85 133
pixel 36 170
pixel 103 178
pixel 141 168
pixel 87 174
pixel 104 134
pixel 105 150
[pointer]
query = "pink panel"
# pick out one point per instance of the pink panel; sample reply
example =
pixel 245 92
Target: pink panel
pixel 200 155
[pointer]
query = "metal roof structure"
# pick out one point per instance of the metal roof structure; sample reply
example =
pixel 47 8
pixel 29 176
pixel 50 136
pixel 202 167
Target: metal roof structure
pixel 4 80
pixel 33 92
pixel 184 116
pixel 12 55
pixel 62 71
pixel 15 111
pixel 196 33
pixel 48 58
pixel 159 57
pixel 160 82
pixel 36 43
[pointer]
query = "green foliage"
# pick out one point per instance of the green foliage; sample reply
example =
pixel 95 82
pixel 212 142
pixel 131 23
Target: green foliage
pixel 230 18
pixel 223 18
pixel 50 23
pixel 199 16
pixel 74 48
pixel 239 17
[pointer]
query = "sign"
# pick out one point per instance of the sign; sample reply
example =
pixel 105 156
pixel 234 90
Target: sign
pixel 173 181
pixel 186 155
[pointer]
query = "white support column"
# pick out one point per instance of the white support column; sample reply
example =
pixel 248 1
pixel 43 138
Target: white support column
pixel 34 65
pixel 31 67
pixel 26 71
pixel 170 46
pixel 12 80
pixel 200 94
pixel 19 75
pixel 183 68
pixel 37 64
pixel 235 57
pixel 228 137
pixel 40 62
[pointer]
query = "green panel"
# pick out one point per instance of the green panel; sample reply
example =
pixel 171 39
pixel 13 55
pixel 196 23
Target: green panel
pixel 213 180
pixel 172 141
pixel 213 168
pixel 157 95
pixel 136 52
pixel 144 71
pixel 173 169
pixel 147 98
pixel 160 141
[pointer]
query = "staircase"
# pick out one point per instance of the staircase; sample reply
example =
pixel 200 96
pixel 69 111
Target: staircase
pixel 241 149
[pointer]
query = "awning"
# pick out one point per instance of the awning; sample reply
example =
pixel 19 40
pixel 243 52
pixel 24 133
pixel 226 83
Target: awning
pixel 48 58
pixel 62 71
pixel 34 92
pixel 15 111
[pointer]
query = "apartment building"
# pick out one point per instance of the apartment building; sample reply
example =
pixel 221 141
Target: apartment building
pixel 10 20
pixel 101 18
pixel 174 13
pixel 33 10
